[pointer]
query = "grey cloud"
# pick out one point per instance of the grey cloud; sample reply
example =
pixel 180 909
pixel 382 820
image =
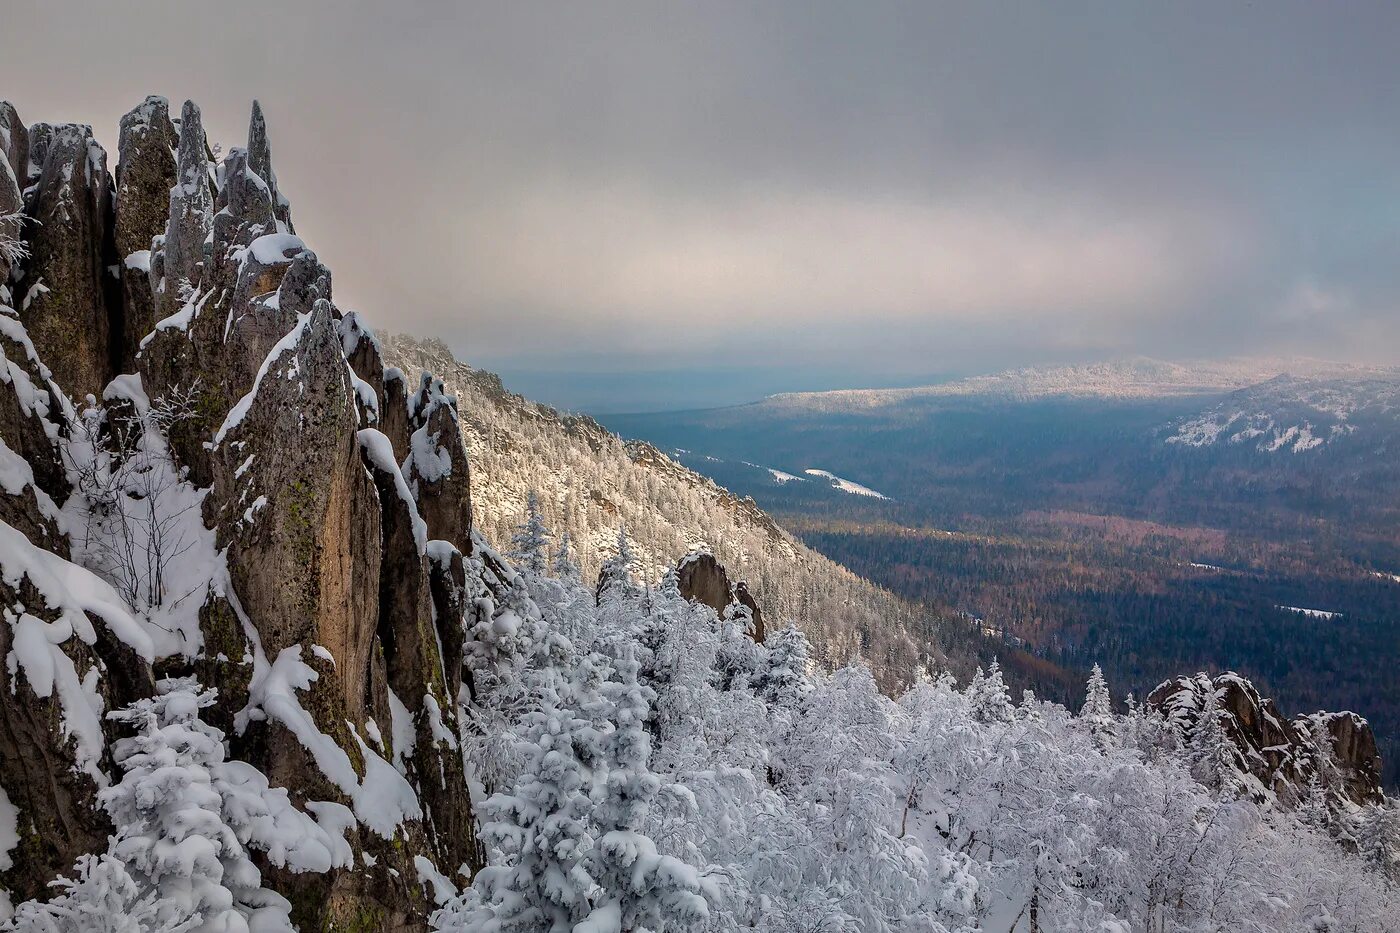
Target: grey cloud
pixel 849 190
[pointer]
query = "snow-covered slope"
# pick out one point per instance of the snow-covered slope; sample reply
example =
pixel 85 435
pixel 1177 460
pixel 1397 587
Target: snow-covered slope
pixel 1125 379
pixel 590 483
pixel 845 485
pixel 1292 415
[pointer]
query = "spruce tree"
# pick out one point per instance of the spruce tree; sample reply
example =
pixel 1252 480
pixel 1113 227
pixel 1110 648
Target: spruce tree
pixel 172 836
pixel 638 888
pixel 530 543
pixel 563 566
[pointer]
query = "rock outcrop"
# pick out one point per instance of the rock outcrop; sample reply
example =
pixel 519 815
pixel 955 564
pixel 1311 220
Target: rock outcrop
pixel 330 583
pixel 145 175
pixel 436 465
pixel 67 291
pixel 14 161
pixel 14 142
pixel 703 579
pixel 1276 757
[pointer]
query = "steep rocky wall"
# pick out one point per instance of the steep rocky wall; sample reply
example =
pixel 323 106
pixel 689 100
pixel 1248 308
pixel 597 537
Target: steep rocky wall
pixel 332 507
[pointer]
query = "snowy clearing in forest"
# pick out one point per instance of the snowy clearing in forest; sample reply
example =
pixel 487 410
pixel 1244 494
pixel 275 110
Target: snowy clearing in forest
pixel 845 485
pixel 1315 613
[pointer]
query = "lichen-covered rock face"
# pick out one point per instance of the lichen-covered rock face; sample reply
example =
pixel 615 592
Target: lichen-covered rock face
pixel 39 768
pixel 297 509
pixel 393 412
pixel 1277 756
pixel 31 411
pixel 416 654
pixel 145 175
pixel 63 663
pixel 14 158
pixel 14 142
pixel 327 616
pixel 260 162
pixel 67 292
pixel 191 215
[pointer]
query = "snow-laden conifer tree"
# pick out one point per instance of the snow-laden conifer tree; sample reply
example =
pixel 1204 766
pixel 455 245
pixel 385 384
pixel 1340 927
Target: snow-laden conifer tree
pixel 530 543
pixel 638 888
pixel 989 697
pixel 173 837
pixel 538 831
pixel 563 565
pixel 102 898
pixel 1210 752
pixel 1097 712
pixel 784 673
pixel 615 578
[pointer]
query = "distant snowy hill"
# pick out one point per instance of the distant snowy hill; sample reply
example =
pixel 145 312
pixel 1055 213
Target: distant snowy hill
pixel 1126 379
pixel 1291 415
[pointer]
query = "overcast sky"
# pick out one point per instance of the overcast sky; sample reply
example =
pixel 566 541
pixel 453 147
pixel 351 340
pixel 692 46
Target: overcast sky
pixel 652 204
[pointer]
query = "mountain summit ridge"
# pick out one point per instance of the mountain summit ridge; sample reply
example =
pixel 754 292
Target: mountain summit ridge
pixel 1134 377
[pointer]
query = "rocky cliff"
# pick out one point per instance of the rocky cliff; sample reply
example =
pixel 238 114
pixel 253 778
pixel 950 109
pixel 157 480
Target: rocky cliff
pixel 207 472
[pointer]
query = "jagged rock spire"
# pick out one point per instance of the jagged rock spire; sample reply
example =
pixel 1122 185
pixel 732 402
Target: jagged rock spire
pixel 260 163
pixel 63 297
pixel 145 175
pixel 191 209
pixel 11 194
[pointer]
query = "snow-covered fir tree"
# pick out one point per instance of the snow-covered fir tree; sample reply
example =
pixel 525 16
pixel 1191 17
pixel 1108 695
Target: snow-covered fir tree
pixel 638 887
pixel 1097 711
pixel 615 579
pixel 538 833
pixel 177 862
pixel 530 543
pixel 563 565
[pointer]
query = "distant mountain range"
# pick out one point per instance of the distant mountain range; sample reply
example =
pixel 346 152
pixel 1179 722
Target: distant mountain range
pixel 1139 377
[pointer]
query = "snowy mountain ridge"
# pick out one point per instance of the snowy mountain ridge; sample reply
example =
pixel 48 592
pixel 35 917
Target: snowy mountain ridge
pixel 1136 378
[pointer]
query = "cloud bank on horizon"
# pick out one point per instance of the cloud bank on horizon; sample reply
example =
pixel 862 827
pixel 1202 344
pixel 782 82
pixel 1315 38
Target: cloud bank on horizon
pixel 846 194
